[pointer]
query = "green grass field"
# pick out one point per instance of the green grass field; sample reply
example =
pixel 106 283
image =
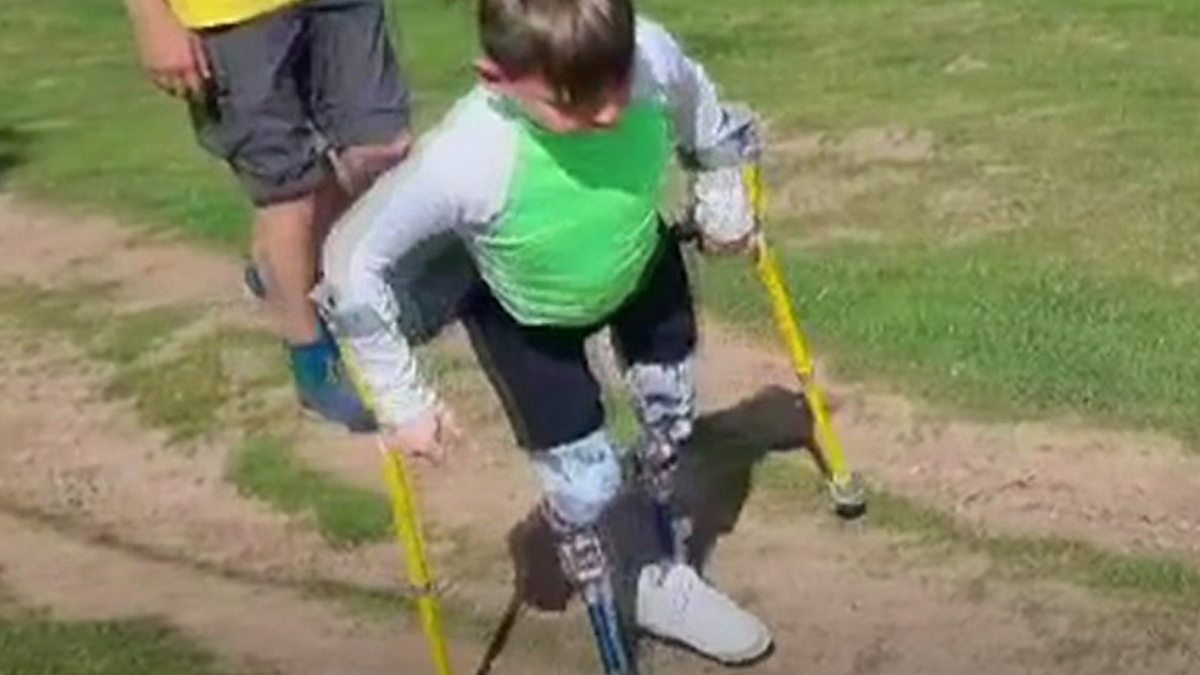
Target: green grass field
pixel 33 645
pixel 345 515
pixel 1039 257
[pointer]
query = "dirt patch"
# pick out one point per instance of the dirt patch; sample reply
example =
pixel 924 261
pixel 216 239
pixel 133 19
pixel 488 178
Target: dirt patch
pixel 269 630
pixel 893 144
pixel 1131 492
pixel 818 173
pixel 852 606
pixel 68 452
pixel 965 63
pixel 829 190
pixel 1040 477
pixel 869 145
pixel 153 269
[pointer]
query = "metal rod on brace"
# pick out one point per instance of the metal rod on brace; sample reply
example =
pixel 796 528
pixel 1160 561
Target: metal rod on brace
pixel 660 463
pixel 615 653
pixel 585 564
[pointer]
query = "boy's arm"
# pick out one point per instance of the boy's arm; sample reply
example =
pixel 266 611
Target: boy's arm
pixel 715 141
pixel 171 55
pixel 710 134
pixel 402 209
pixel 454 181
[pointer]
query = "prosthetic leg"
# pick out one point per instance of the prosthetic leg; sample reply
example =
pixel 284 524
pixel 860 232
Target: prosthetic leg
pixel 658 457
pixel 585 564
pixel 666 407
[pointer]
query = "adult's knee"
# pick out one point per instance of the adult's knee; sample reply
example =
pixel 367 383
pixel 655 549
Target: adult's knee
pixel 359 166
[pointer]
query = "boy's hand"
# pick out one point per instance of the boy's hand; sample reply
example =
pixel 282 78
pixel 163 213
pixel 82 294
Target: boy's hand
pixel 723 212
pixel 426 436
pixel 172 56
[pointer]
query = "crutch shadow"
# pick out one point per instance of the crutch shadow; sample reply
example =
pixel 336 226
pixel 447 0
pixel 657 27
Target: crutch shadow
pixel 14 145
pixel 714 482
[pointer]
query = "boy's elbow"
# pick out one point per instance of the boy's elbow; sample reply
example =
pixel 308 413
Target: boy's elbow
pixel 734 139
pixel 349 276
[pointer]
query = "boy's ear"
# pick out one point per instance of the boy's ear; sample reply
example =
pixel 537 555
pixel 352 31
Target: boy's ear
pixel 489 71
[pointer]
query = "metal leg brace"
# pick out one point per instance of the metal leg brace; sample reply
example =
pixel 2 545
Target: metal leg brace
pixel 659 459
pixel 665 398
pixel 585 564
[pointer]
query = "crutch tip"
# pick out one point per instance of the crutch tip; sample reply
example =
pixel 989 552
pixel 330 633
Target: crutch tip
pixel 849 497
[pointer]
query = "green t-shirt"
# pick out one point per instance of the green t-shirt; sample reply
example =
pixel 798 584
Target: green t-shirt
pixel 580 221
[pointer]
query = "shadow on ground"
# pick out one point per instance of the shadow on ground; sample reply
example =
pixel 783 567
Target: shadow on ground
pixel 714 483
pixel 13 147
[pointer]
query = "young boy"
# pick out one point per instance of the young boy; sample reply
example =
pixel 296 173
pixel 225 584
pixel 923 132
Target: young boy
pixel 550 172
pixel 285 92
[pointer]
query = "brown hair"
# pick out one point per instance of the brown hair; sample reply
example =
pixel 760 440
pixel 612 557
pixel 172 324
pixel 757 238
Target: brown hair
pixel 579 46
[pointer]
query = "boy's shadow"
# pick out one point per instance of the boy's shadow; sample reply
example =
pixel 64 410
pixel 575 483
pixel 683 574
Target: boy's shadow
pixel 13 148
pixel 713 484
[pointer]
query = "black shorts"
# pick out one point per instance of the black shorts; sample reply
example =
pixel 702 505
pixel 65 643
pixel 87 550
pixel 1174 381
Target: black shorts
pixel 541 373
pixel 293 84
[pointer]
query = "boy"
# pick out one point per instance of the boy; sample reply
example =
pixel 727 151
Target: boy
pixel 551 173
pixel 285 92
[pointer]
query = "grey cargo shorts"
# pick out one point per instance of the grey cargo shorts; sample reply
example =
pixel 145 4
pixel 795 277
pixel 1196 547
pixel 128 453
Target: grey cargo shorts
pixel 291 86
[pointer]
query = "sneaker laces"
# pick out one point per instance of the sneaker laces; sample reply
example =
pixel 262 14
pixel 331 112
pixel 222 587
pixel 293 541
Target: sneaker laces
pixel 681 599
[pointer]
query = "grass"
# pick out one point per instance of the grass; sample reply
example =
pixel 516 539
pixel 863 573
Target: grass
pixel 37 646
pixel 87 131
pixel 67 313
pixel 206 383
pixel 984 330
pixel 136 334
pixel 184 386
pixel 621 416
pixel 345 515
pixel 1039 259
pixel 196 388
pixel 182 392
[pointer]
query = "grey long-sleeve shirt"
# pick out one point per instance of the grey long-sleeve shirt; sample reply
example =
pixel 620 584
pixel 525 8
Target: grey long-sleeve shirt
pixel 456 183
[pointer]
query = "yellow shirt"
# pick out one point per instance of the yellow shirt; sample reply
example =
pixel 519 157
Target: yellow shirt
pixel 210 13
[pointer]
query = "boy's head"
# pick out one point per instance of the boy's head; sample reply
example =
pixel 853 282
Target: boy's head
pixel 568 62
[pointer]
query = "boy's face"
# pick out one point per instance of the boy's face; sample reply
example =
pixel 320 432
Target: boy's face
pixel 542 103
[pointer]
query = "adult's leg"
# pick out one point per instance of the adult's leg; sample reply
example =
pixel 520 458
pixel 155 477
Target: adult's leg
pixel 359 97
pixel 257 119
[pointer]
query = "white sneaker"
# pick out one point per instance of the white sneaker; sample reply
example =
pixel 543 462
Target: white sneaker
pixel 675 604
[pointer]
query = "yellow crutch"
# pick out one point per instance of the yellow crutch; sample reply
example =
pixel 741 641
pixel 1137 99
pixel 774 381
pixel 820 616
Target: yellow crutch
pixel 420 575
pixel 410 536
pixel 845 487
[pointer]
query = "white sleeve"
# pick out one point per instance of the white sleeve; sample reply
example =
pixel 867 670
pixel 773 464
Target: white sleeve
pixel 452 183
pixel 709 133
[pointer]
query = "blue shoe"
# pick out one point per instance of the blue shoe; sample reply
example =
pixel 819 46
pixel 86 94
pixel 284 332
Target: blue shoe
pixel 320 381
pixel 324 388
